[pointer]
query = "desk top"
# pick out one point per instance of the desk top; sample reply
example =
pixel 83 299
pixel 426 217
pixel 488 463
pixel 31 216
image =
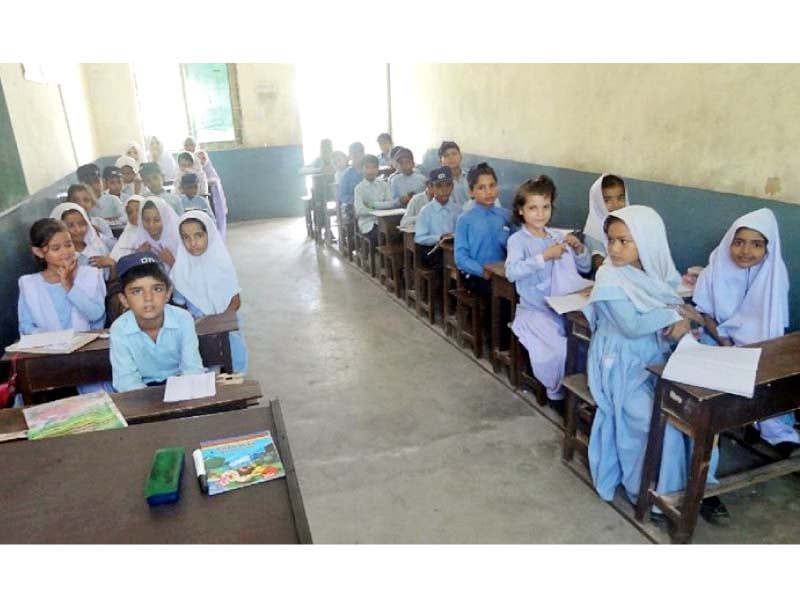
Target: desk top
pixel 780 358
pixel 389 212
pixel 90 488
pixel 145 405
pixel 496 268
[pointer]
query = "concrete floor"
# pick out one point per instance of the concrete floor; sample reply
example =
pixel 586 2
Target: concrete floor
pixel 399 437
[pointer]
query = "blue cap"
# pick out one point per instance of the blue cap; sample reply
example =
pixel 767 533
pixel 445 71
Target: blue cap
pixel 137 259
pixel 189 179
pixel 86 173
pixel 440 174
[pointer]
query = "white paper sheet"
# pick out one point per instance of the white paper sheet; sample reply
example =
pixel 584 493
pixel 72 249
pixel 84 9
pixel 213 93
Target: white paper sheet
pixel 389 212
pixel 727 369
pixel 190 387
pixel 568 303
pixel 49 338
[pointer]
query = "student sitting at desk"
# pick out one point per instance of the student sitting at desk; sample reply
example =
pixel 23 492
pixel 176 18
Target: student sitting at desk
pixel 154 180
pixel 152 340
pixel 437 220
pixel 109 206
pixel 164 160
pixel 371 194
pixel 416 205
pixel 90 248
pixel 190 200
pixel 89 175
pixel 542 262
pixel 406 182
pixel 450 156
pixel 606 195
pixel 126 244
pixel 131 182
pixel 482 233
pixel 205 278
pixel 352 176
pixel 158 230
pixel 82 195
pixel 217 192
pixel 188 164
pixel 339 166
pixel 385 144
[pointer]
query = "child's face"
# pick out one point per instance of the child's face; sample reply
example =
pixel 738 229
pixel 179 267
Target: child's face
pixel 84 199
pixel 146 297
pixel 154 182
pixel 128 174
pixel 614 197
pixel 189 145
pixel 442 191
pixel 622 249
pixel 194 238
pixel 485 190
pixel 114 185
pixel 58 252
pixel 536 211
pixel 151 221
pixel 429 190
pixel 190 189
pixel 340 162
pixel 76 225
pixel 97 186
pixel 451 158
pixel 385 146
pixel 134 154
pixel 406 165
pixel 370 171
pixel 748 248
pixel 132 212
pixel 186 165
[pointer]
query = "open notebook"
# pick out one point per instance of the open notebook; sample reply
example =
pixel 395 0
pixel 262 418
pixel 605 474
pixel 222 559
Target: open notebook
pixel 53 342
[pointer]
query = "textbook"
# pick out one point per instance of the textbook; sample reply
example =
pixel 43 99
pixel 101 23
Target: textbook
pixel 53 342
pixel 236 462
pixel 77 414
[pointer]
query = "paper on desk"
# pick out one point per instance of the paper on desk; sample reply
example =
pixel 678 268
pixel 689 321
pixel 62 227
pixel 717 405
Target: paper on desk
pixel 190 387
pixel 389 212
pixel 48 338
pixel 730 370
pixel 568 303
pixel 53 344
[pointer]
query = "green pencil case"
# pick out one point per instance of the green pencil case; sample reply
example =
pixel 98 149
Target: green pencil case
pixel 164 482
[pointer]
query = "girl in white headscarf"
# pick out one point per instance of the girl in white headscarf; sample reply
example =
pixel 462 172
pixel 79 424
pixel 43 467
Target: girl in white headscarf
pixel 164 159
pixel 220 204
pixel 205 278
pixel 134 151
pixel 126 244
pixel 91 250
pixel 743 296
pixel 632 311
pixel 607 194
pixel 158 230
pixel 189 163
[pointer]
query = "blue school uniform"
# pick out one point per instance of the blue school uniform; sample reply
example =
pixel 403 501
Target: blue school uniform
pixel 434 220
pixel 91 306
pixel 481 238
pixel 239 354
pixel 401 184
pixel 108 206
pixel 461 190
pixel 347 184
pixel 137 360
pixel 195 203
pixel 173 201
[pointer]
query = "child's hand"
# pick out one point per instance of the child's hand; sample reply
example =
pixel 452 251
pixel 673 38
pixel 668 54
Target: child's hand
pixel 66 274
pixel 725 341
pixel 446 236
pixel 574 243
pixel 677 330
pixel 404 199
pixel 487 274
pixel 554 251
pixel 688 311
pixel 166 256
pixel 145 247
pixel 101 262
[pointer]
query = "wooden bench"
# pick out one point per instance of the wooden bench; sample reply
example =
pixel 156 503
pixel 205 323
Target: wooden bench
pixel 409 265
pixel 579 409
pixel 503 292
pixel 391 269
pixel 450 282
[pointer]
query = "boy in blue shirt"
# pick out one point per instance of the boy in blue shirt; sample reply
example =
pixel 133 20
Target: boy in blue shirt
pixel 190 200
pixel 437 219
pixel 108 206
pixel 153 178
pixel 482 233
pixel 450 155
pixel 371 194
pixel 385 143
pixel 89 174
pixel 152 340
pixel 406 182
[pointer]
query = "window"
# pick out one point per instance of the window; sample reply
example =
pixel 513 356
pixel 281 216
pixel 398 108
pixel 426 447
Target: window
pixel 208 99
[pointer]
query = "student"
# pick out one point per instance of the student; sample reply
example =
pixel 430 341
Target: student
pixel 407 182
pixel 482 233
pixel 742 298
pixel 190 200
pixel 606 195
pixel 205 278
pixel 393 163
pixel 416 204
pixel 187 164
pixel 82 195
pixel 352 175
pixel 543 262
pixel 217 193
pixel 339 164
pixel 152 340
pixel 190 145
pixel 154 180
pixel 450 155
pixel 633 313
pixel 126 244
pixel 134 151
pixel 385 144
pixel 164 160
pixel 85 240
pixel 437 220
pixel 131 182
pixel 371 194
pixel 108 205
pixel 89 175
pixel 158 230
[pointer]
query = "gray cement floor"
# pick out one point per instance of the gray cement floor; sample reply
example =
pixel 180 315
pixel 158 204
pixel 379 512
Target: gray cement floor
pixel 399 437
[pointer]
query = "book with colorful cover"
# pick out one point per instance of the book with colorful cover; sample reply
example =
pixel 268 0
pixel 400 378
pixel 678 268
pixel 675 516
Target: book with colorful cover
pixel 76 414
pixel 236 462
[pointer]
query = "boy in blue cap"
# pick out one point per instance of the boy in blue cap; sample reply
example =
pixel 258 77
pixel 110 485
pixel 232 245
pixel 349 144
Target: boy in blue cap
pixel 108 206
pixel 406 182
pixel 153 178
pixel 190 199
pixel 437 219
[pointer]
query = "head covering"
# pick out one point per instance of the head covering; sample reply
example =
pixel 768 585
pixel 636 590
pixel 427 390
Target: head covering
pixel 136 259
pixel 94 245
pixel 170 239
pixel 440 174
pixel 88 172
pixel 127 161
pixel 404 153
pixel 189 178
pixel 208 281
pixel 165 160
pixel 654 286
pixel 446 145
pixel 747 313
pixel 189 138
pixel 139 152
pixel 111 171
pixel 126 244
pixel 598 211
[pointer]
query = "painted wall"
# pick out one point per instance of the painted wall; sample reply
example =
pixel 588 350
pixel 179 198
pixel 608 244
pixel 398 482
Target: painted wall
pixel 115 111
pixel 727 128
pixel 270 115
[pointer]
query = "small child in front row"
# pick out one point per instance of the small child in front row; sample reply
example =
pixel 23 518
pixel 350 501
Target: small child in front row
pixel 482 233
pixel 633 313
pixel 371 194
pixel 87 243
pixel 82 195
pixel 190 200
pixel 606 195
pixel 152 340
pixel 406 182
pixel 109 206
pixel 205 278
pixel 542 262
pixel 437 220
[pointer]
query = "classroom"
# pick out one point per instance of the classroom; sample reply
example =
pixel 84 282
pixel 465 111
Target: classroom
pixel 373 286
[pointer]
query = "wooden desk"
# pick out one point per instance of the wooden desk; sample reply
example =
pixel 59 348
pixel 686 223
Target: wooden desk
pixel 450 281
pixel 146 405
pixel 39 372
pixel 389 237
pixel 409 263
pixel 702 414
pixel 388 221
pixel 89 488
pixel 502 291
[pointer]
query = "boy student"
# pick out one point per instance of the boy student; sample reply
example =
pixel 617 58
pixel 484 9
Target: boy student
pixel 407 181
pixel 108 206
pixel 152 340
pixel 189 198
pixel 450 155
pixel 351 177
pixel 131 183
pixel 371 194
pixel 385 143
pixel 437 220
pixel 154 180
pixel 416 204
pixel 89 174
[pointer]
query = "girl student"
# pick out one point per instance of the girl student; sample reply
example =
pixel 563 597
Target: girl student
pixel 742 298
pixel 126 244
pixel 158 230
pixel 188 164
pixel 633 312
pixel 205 278
pixel 86 242
pixel 82 195
pixel 542 262
pixel 217 193
pixel 163 159
pixel 607 194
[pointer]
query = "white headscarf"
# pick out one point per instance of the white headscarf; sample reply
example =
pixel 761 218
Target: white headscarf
pixel 126 244
pixel 94 245
pixel 127 161
pixel 653 287
pixel 597 210
pixel 754 314
pixel 208 281
pixel 165 160
pixel 170 238
pixel 142 156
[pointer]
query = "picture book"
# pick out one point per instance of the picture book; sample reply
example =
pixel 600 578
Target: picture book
pixel 77 414
pixel 237 462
